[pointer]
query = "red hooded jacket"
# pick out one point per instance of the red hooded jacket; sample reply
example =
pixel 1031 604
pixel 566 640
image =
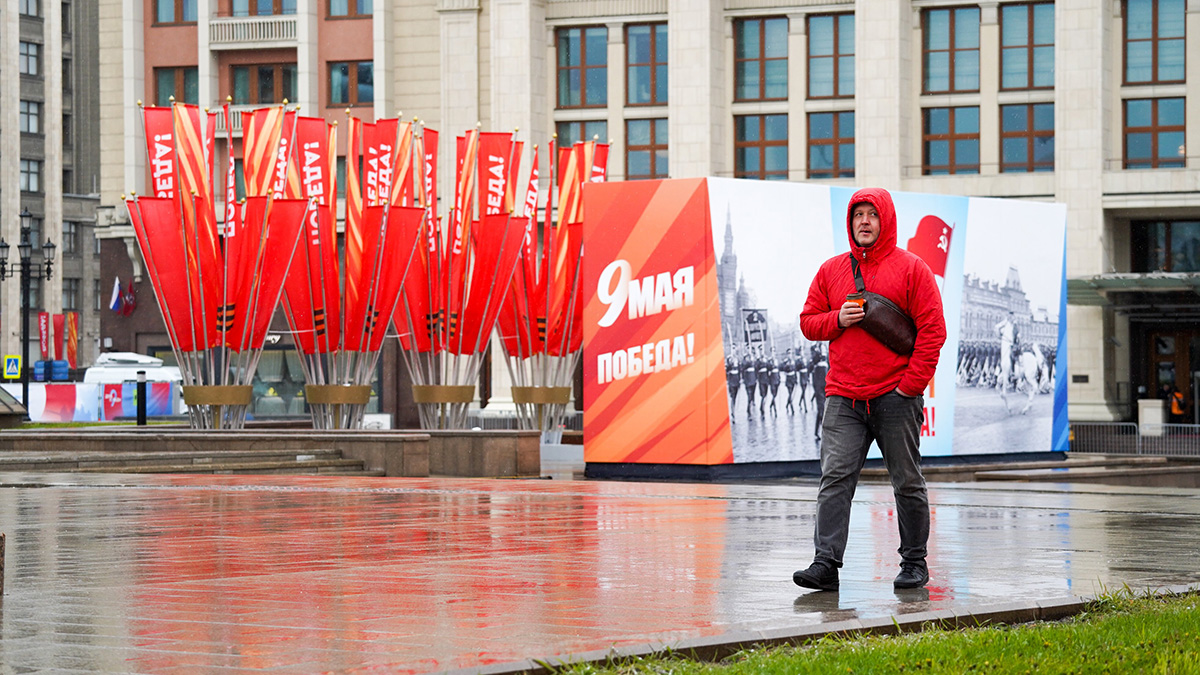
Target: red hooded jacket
pixel 860 367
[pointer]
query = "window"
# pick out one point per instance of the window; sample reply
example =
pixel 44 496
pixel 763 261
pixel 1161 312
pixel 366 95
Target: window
pixel 1027 137
pixel 831 145
pixel 351 7
pixel 66 132
pixel 646 149
pixel 31 116
pixel 264 84
pixel 951 50
pixel 66 18
pixel 760 59
pixel 97 298
pixel 68 184
pixel 570 133
pixel 182 83
pixel 175 11
pixel 35 234
pixel 1165 246
pixel 583 67
pixel 1027 46
pixel 27 62
pixel 67 79
pixel 760 147
pixel 1154 41
pixel 70 238
pixel 352 83
pixel 1154 133
pixel 263 7
pixel 646 59
pixel 70 294
pixel 34 299
pixel 831 56
pixel 951 140
pixel 30 7
pixel 31 175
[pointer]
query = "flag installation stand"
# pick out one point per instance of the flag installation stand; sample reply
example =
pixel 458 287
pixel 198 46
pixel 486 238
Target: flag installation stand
pixel 541 324
pixel 455 288
pixel 217 290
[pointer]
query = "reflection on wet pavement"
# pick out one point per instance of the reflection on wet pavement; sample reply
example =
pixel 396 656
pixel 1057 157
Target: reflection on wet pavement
pixel 302 574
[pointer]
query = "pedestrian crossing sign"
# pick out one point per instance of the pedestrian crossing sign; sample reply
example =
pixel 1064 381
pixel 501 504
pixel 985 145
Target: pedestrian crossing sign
pixel 12 367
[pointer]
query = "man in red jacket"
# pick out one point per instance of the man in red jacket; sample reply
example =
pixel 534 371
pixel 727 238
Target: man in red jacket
pixel 873 393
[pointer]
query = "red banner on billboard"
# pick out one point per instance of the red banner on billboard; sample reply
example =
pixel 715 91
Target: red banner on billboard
pixel 72 340
pixel 44 334
pixel 653 364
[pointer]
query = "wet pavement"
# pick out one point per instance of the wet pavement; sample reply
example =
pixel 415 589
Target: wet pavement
pixel 163 574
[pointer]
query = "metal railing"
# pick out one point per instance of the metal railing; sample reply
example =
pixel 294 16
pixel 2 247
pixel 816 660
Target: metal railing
pixel 239 32
pixel 1127 438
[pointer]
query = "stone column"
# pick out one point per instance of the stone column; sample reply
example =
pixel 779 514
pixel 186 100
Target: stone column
pixel 989 87
pixel 616 101
pixel 52 166
pixel 381 33
pixel 518 96
pixel 459 21
pixel 884 101
pixel 698 105
pixel 10 151
pixel 1084 81
pixel 308 70
pixel 797 96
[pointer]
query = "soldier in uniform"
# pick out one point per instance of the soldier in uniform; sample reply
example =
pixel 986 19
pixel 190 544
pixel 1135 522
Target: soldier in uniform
pixel 774 383
pixel 733 380
pixel 789 378
pixel 762 367
pixel 749 379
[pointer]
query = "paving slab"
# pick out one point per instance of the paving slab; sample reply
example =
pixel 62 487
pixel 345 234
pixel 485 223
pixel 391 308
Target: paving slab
pixel 301 574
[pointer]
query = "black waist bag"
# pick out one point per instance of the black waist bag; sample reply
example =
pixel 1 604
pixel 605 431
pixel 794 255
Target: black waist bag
pixel 885 321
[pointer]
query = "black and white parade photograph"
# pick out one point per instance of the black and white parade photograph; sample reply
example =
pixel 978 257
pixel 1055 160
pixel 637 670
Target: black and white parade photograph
pixel 1008 339
pixel 767 254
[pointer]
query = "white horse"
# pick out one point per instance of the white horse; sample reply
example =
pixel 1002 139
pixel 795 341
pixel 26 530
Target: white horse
pixel 1030 376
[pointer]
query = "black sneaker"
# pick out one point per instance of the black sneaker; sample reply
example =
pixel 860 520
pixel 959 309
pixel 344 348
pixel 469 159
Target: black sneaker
pixel 912 575
pixel 819 575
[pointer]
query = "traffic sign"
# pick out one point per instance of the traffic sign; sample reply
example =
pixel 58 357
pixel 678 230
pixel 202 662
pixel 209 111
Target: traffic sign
pixel 12 367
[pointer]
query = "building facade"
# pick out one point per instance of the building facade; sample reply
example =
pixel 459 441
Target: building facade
pixel 50 162
pixel 1093 103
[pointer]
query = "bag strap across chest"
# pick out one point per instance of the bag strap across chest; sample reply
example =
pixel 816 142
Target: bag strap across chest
pixel 858 279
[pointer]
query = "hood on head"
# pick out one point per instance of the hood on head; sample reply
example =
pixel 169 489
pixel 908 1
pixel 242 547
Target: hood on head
pixel 882 201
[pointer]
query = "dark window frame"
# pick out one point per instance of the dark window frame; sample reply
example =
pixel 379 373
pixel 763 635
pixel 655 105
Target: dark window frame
pixel 653 147
pixel 1029 47
pixel 761 58
pixel 952 167
pixel 24 5
pixel 1154 41
pixel 252 83
pixel 351 83
pixel 761 172
pixel 836 57
pixel 34 55
pixel 177 13
pixel 70 238
pixel 1030 135
pixel 1152 246
pixel 29 111
pixel 26 177
pixel 569 132
pixel 180 77
pixel 837 142
pixel 653 64
pixel 252 9
pixel 952 49
pixel 1154 162
pixel 70 294
pixel 563 72
pixel 353 11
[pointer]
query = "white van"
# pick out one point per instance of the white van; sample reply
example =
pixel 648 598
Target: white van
pixel 118 367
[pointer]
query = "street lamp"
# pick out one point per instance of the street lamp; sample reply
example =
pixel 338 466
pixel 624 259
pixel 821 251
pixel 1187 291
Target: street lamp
pixel 27 270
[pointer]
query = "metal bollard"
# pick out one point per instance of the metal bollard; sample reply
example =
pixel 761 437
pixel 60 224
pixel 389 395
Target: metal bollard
pixel 1 564
pixel 141 398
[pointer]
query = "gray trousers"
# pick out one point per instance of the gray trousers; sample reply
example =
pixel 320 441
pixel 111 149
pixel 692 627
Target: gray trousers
pixel 849 428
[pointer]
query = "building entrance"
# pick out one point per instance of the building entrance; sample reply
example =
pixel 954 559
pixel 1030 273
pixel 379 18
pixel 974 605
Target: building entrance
pixel 1174 362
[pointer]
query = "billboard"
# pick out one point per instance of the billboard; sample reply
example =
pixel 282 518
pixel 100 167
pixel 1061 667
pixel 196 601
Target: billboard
pixel 693 352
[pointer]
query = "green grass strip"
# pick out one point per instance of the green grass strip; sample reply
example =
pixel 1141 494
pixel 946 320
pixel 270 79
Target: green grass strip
pixel 1117 633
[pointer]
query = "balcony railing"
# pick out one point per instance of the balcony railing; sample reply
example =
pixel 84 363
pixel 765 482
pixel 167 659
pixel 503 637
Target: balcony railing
pixel 252 31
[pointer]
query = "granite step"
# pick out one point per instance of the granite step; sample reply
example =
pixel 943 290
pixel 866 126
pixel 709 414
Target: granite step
pixel 269 461
pixel 968 472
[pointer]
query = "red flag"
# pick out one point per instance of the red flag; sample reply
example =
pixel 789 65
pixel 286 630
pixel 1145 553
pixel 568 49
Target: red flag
pixel 421 287
pixel 496 255
pixel 379 153
pixel 931 243
pixel 402 186
pixel 599 164
pixel 261 130
pixel 514 315
pixel 359 281
pixel 156 224
pixel 311 292
pixel 401 236
pixel 160 146
pixel 230 169
pixel 242 244
pixel 495 150
pixel 60 332
pixel 285 219
pixel 199 218
pixel 285 183
pixel 72 340
pixel 460 226
pixel 44 335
